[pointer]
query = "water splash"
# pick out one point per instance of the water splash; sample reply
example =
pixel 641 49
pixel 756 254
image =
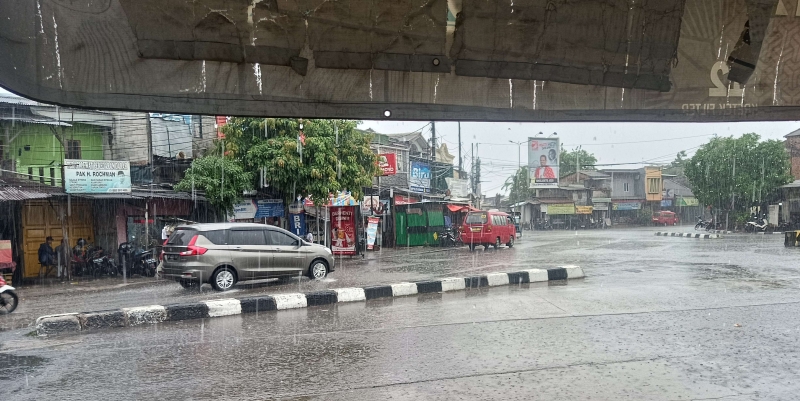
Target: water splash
pixel 436 88
pixel 777 72
pixel 58 54
pixel 203 72
pixel 534 94
pixel 41 19
pixel 370 85
pixel 257 72
pixel 510 94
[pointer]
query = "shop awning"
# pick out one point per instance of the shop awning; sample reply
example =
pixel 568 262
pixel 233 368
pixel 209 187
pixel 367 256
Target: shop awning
pixel 18 194
pixel 461 208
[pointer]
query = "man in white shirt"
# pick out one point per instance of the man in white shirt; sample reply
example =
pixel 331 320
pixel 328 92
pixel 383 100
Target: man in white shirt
pixel 310 237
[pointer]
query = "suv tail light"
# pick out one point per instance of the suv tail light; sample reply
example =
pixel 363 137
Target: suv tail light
pixel 161 255
pixel 194 250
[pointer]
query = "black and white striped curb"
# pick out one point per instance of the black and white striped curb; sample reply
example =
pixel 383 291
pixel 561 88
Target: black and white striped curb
pixel 76 322
pixel 689 235
pixel 770 233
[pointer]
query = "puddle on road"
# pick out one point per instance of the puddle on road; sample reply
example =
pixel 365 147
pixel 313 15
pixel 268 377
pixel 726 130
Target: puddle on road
pixel 741 277
pixel 12 366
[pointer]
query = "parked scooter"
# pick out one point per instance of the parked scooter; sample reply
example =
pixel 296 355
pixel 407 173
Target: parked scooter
pixel 137 261
pixel 8 298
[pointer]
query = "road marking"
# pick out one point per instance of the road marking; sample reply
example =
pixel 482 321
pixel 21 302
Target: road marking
pixel 453 284
pixel 496 279
pixel 403 289
pixel 290 301
pixel 350 294
pixel 224 307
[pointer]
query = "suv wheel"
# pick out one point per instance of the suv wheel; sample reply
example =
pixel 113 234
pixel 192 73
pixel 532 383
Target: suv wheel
pixel 510 243
pixel 223 279
pixel 318 270
pixel 497 243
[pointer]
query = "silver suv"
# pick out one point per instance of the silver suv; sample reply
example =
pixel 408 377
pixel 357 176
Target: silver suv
pixel 223 253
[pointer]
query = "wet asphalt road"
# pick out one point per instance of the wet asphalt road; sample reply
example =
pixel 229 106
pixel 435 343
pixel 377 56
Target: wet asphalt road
pixel 656 318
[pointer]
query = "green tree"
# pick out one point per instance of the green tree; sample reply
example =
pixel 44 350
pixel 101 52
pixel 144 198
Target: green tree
pixel 221 179
pixel 569 159
pixel 325 167
pixel 677 168
pixel 737 173
pixel 519 186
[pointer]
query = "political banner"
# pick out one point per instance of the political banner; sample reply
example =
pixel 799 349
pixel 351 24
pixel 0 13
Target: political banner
pixel 96 176
pixel 343 230
pixel 420 177
pixel 372 231
pixel 543 159
pixel 297 224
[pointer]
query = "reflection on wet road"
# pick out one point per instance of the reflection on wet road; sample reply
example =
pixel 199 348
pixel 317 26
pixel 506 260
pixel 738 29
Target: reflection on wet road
pixel 656 318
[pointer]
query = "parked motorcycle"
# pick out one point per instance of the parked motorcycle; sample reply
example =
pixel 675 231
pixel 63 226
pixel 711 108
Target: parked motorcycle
pixel 137 261
pixel 449 238
pixel 701 223
pixel 8 298
pixel 756 224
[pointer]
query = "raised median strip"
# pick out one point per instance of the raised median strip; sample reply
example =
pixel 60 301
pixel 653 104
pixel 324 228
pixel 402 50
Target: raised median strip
pixel 77 322
pixel 689 235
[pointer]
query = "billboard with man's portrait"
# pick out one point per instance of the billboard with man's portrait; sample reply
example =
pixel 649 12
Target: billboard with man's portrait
pixel 543 154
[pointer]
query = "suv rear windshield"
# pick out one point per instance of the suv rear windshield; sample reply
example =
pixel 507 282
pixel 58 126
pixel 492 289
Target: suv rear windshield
pixel 181 237
pixel 477 218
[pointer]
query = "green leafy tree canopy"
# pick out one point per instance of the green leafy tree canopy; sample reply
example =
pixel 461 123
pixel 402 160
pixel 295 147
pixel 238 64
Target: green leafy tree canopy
pixel 519 186
pixel 327 165
pixel 743 171
pixel 221 179
pixel 569 159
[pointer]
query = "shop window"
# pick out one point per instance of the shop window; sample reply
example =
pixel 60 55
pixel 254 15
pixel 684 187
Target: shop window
pixel 653 185
pixel 73 149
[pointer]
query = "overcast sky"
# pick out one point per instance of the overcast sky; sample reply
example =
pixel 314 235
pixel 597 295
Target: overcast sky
pixel 611 143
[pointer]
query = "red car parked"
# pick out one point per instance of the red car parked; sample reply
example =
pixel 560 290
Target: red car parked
pixel 665 218
pixel 487 228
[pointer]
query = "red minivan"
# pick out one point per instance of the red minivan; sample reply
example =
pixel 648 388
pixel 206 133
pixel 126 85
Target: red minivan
pixel 488 228
pixel 666 218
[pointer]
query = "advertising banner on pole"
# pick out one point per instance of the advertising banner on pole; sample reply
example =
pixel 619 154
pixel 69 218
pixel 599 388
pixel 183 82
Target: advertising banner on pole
pixel 298 223
pixel 626 206
pixel 343 230
pixel 420 177
pixel 543 159
pixel 561 208
pixel 97 176
pixel 388 163
pixel 372 231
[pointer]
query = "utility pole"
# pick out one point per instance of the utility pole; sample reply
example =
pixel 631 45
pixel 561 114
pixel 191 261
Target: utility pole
pixel 149 141
pixel 472 168
pixel 433 140
pixel 578 165
pixel 460 165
